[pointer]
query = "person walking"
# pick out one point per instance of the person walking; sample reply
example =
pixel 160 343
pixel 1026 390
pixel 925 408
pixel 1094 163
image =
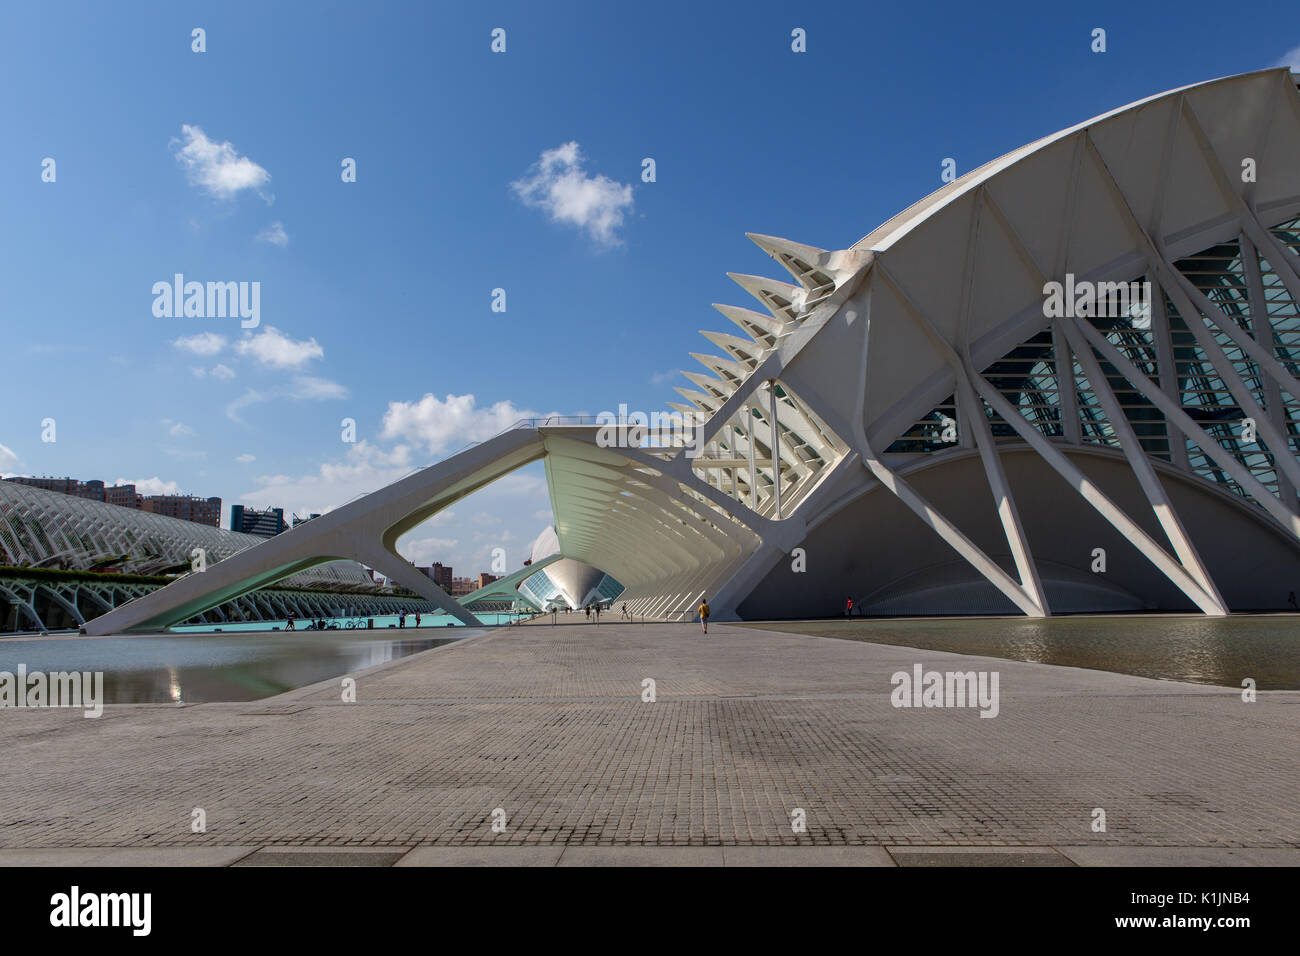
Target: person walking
pixel 417 618
pixel 848 608
pixel 704 614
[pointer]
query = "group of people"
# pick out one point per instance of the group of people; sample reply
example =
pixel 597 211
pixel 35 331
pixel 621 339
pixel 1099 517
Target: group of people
pixel 322 625
pixel 401 618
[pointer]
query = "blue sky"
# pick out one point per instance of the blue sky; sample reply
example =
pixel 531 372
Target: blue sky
pixel 376 295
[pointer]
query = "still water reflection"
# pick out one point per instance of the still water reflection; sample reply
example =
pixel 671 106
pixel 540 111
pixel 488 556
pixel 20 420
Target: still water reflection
pixel 223 667
pixel 1203 650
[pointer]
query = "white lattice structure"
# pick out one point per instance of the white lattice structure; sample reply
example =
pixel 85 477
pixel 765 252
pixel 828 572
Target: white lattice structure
pixel 46 529
pixel 909 425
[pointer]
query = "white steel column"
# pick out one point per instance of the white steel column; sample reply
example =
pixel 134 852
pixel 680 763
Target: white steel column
pixel 1167 367
pixel 1002 499
pixel 1262 327
pixel 950 533
pixel 1263 357
pixel 1228 462
pixel 1141 465
pixel 749 440
pixel 1192 319
pixel 776 449
pixel 1095 497
pixel 1067 397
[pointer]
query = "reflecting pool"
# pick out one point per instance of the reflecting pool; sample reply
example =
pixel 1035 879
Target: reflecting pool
pixel 376 622
pixel 1203 650
pixel 217 667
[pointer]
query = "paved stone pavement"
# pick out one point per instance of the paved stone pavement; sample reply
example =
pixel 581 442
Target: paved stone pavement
pixel 548 724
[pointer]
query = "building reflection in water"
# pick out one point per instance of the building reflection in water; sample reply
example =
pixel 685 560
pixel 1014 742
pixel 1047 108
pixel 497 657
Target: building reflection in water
pixel 1195 648
pixel 220 667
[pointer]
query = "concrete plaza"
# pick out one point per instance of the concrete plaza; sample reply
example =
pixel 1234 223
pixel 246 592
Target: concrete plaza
pixel 749 726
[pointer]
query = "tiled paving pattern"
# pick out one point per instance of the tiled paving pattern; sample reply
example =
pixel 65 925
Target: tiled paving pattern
pixel 548 725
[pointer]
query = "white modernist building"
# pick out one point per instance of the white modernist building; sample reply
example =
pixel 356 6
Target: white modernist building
pixel 1067 381
pixel 43 531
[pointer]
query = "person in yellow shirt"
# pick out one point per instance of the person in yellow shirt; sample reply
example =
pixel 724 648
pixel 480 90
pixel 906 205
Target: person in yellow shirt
pixel 704 614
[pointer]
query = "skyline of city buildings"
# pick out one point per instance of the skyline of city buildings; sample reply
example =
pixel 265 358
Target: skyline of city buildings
pixel 263 523
pixel 444 576
pixel 185 507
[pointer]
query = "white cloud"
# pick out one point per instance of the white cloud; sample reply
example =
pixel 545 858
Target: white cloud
pixel 245 458
pixel 151 486
pixel 520 485
pixel 223 372
pixel 558 184
pixel 663 378
pixel 8 458
pixel 178 429
pixel 250 397
pixel 205 343
pixel 444 425
pixel 366 468
pixel 303 387
pixel 452 536
pixel 316 389
pixel 272 347
pixel 425 551
pixel 274 234
pixel 217 168
pixel 1291 59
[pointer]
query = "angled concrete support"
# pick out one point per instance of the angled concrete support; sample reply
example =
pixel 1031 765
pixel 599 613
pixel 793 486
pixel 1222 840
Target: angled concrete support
pixel 396 568
pixel 950 533
pixel 365 530
pixel 1284 515
pixel 1002 498
pixel 1099 501
pixel 1141 465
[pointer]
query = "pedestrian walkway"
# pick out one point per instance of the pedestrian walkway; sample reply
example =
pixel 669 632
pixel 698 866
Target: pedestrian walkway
pixel 540 746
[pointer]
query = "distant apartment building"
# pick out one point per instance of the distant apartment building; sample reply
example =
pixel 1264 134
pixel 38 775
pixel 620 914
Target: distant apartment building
pixel 185 507
pixel 124 496
pixel 200 510
pixel 303 519
pixel 71 486
pixel 441 575
pixel 265 524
